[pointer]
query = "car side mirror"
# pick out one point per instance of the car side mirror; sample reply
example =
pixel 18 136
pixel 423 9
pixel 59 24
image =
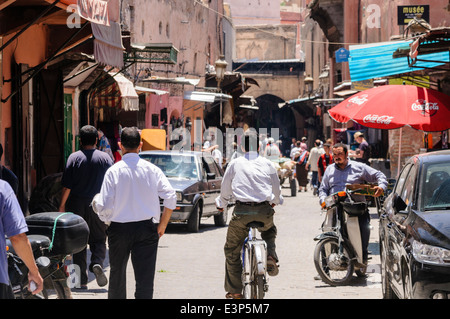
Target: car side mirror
pixel 210 176
pixel 398 204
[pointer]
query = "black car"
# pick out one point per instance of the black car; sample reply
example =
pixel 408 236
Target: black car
pixel 415 230
pixel 197 178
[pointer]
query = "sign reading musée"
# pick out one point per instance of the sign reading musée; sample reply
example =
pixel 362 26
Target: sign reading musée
pixel 407 13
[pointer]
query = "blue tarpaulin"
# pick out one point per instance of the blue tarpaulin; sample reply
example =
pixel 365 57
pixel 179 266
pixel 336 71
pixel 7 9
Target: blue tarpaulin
pixel 375 60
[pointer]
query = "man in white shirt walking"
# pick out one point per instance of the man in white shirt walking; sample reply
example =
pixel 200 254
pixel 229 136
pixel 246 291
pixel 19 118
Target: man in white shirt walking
pixel 129 202
pixel 253 181
pixel 312 163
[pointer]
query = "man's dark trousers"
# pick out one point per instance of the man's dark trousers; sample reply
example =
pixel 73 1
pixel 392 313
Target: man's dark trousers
pixel 97 235
pixel 140 239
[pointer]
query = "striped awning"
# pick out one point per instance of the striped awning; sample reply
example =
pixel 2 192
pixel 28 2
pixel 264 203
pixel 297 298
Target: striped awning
pixel 375 60
pixel 120 93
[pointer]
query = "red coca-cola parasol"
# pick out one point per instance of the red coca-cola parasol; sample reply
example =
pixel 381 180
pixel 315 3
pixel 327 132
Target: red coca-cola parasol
pixel 394 106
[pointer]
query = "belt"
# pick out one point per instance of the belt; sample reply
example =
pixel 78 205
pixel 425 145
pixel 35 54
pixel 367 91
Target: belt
pixel 252 203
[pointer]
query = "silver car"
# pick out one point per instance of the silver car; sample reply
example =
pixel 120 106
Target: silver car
pixel 197 178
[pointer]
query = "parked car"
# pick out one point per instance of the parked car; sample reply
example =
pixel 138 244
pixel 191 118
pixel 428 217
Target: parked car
pixel 415 230
pixel 197 178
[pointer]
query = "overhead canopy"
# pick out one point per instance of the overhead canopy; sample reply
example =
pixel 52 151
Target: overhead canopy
pixel 208 97
pixel 296 102
pixel 374 60
pixel 79 74
pixel 178 80
pixel 149 90
pixel 121 93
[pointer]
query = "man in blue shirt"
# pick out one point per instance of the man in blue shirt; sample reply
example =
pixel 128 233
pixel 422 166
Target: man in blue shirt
pixel 345 171
pixel 81 180
pixel 13 225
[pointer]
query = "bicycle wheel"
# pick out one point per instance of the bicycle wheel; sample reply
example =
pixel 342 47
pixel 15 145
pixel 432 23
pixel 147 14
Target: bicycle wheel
pixel 258 287
pixel 247 272
pixel 335 268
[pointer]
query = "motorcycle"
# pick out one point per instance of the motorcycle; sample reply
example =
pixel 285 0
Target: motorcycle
pixel 339 252
pixel 53 238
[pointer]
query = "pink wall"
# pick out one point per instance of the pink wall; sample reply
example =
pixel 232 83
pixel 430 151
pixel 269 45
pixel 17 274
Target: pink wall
pixel 155 103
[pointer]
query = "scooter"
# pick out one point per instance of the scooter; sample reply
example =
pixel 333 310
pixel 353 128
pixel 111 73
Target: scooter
pixel 338 252
pixel 53 238
pixel 52 270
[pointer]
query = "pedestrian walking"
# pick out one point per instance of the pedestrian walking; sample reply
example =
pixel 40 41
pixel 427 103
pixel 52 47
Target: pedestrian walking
pixel 253 182
pixel 272 152
pixel 129 202
pixel 301 158
pixel 13 225
pixel 81 180
pixel 313 158
pixel 295 149
pixel 103 144
pixel 324 160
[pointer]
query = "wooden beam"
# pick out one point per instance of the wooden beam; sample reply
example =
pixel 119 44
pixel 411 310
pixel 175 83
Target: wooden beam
pixel 5 3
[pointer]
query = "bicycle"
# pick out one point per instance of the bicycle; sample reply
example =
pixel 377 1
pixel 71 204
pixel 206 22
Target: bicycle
pixel 254 264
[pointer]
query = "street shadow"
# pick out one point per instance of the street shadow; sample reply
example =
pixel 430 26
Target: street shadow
pixel 181 229
pixel 374 249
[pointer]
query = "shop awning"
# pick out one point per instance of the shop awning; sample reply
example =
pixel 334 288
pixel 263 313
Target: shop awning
pixel 121 93
pixel 95 11
pixel 149 90
pixel 179 80
pixel 296 101
pixel 208 97
pixel 79 74
pixel 374 60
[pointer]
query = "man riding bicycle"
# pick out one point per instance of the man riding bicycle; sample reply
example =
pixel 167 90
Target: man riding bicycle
pixel 345 171
pixel 253 182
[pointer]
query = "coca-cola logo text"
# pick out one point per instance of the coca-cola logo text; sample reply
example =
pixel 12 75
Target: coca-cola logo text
pixel 378 119
pixel 361 99
pixel 425 108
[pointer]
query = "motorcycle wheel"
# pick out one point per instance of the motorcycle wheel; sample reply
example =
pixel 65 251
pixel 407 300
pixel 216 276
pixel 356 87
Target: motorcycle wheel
pixel 57 283
pixel 333 268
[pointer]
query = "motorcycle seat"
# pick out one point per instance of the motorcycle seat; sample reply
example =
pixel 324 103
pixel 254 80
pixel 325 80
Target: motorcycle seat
pixel 38 242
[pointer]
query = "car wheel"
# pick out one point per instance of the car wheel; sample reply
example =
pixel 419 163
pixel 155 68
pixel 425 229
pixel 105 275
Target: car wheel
pixel 386 289
pixel 193 223
pixel 407 286
pixel 220 219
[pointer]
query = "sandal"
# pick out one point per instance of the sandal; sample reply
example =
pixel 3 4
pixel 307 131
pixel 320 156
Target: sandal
pixel 230 295
pixel 272 267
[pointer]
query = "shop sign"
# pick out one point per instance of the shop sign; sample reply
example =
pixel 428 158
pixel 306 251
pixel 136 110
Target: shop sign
pixel 407 13
pixel 341 55
pixel 362 85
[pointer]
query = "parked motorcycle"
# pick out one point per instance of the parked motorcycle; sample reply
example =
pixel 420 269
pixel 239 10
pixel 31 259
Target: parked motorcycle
pixel 53 237
pixel 338 252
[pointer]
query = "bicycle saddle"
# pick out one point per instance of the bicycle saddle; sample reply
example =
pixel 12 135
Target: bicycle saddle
pixel 255 224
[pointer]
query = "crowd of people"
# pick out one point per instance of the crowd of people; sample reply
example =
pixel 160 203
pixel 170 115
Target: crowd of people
pixel 119 198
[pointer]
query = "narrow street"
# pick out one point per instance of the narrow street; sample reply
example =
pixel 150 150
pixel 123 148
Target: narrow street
pixel 191 266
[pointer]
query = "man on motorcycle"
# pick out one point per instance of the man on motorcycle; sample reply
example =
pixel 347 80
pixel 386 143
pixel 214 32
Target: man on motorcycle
pixel 13 225
pixel 345 171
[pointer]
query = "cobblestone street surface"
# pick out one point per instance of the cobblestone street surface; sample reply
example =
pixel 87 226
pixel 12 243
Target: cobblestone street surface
pixel 191 266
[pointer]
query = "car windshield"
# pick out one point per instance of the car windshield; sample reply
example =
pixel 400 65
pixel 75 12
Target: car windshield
pixel 436 186
pixel 173 165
